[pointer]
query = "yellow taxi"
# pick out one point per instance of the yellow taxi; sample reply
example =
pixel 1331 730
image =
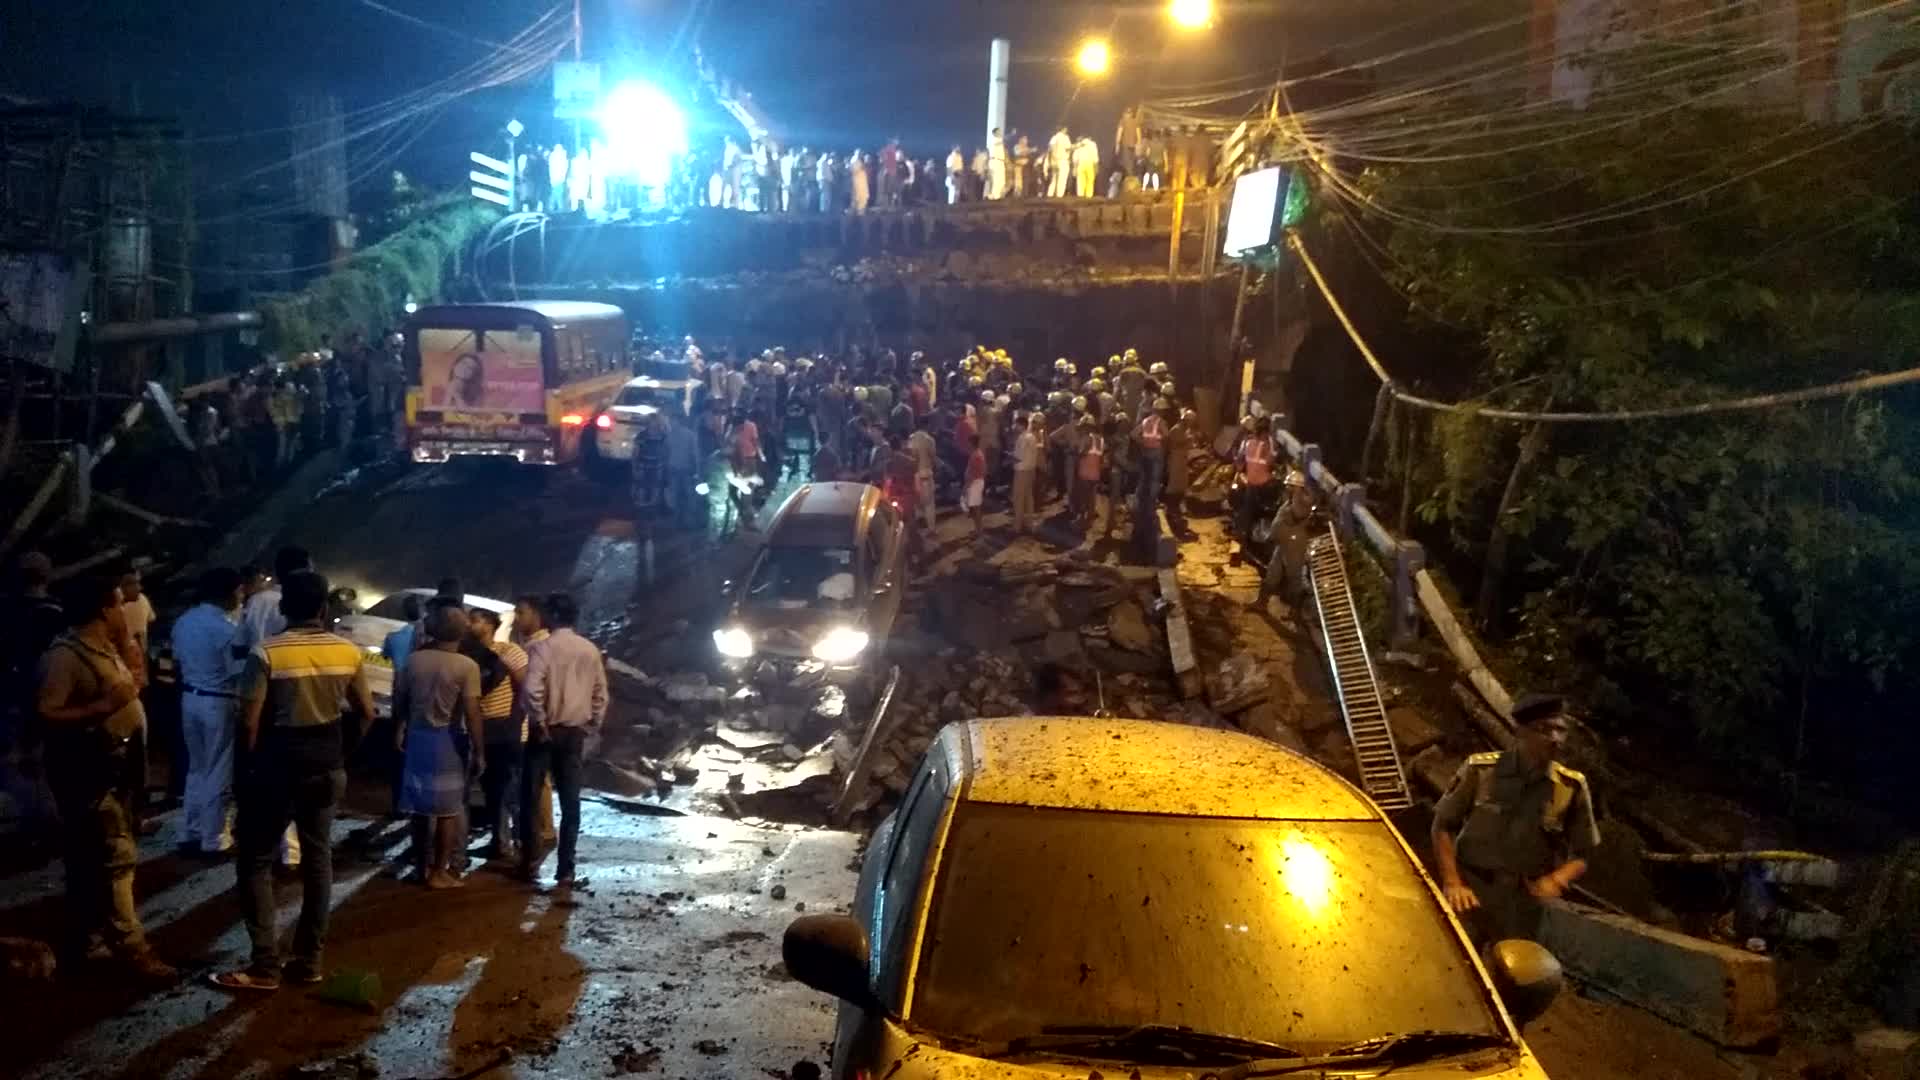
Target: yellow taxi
pixel 1067 897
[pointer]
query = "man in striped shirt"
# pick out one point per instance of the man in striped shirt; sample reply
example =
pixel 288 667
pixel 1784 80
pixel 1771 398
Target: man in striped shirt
pixel 291 766
pixel 505 725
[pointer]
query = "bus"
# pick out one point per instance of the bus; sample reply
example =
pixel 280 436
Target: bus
pixel 524 380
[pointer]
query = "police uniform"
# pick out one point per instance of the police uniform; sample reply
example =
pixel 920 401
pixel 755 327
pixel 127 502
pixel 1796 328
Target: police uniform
pixel 1514 824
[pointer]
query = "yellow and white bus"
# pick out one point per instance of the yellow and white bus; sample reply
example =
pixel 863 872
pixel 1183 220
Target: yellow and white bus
pixel 524 380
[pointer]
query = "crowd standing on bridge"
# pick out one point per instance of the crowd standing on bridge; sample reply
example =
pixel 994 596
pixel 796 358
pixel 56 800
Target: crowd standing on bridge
pixel 765 176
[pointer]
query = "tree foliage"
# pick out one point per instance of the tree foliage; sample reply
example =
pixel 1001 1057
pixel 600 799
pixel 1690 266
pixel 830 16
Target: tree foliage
pixel 1718 569
pixel 364 295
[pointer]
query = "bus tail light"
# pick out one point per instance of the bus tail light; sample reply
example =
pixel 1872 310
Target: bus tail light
pixel 572 419
pixel 603 422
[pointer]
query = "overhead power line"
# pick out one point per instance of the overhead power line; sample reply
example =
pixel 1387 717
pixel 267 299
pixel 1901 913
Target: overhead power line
pixel 1749 403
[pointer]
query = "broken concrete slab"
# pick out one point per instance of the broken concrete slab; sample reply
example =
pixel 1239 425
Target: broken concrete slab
pixel 1240 682
pixel 1268 721
pixel 1127 627
pixel 602 775
pixel 1434 768
pixel 1412 732
pixel 1186 665
pixel 1725 994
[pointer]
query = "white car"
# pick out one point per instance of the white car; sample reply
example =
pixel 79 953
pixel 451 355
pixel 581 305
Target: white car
pixel 369 629
pixel 614 429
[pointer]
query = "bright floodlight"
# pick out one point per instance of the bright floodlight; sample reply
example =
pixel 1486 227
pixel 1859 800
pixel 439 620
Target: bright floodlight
pixel 1094 57
pixel 644 132
pixel 1192 14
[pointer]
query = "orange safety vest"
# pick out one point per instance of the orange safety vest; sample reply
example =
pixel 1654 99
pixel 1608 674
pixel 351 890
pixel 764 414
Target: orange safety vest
pixel 1259 462
pixel 1152 430
pixel 1090 458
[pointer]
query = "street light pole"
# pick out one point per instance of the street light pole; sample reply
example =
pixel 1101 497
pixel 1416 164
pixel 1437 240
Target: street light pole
pixel 998 60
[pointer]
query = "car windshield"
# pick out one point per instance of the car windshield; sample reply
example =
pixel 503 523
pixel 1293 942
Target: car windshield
pixel 1311 935
pixel 796 578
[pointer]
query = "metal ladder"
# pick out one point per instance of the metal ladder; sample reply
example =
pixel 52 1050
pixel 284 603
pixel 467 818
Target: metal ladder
pixel 1380 771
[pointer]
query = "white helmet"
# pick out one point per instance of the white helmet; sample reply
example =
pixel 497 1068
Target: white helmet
pixel 753 367
pixel 778 368
pixel 1159 367
pixel 1063 364
pixel 988 397
pixel 1003 401
pixel 1014 388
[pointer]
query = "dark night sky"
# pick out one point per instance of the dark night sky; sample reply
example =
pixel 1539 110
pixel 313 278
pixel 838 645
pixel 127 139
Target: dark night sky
pixel 844 71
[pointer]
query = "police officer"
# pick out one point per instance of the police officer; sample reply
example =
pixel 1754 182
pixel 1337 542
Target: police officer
pixel 1515 829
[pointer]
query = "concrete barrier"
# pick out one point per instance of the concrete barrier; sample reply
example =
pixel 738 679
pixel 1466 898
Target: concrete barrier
pixel 1724 994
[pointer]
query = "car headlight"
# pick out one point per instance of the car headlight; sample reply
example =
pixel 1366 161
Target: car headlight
pixel 733 642
pixel 841 644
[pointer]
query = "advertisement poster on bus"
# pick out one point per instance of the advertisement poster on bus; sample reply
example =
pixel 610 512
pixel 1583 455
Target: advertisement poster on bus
pixel 482 380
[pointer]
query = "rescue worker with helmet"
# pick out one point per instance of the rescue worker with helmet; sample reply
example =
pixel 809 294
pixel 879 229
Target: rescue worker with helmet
pixel 1254 472
pixel 1291 534
pixel 1515 829
pixel 1150 437
pixel 1179 444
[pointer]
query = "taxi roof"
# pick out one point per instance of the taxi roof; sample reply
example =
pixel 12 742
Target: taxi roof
pixel 1147 767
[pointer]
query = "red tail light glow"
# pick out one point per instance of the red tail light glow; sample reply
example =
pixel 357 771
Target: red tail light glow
pixel 603 422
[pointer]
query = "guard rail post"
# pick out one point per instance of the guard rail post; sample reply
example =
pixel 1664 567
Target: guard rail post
pixel 1409 558
pixel 1345 499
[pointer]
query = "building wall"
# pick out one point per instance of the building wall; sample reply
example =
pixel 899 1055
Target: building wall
pixel 1825 60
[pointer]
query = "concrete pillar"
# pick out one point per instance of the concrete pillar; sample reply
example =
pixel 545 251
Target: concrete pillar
pixel 998 60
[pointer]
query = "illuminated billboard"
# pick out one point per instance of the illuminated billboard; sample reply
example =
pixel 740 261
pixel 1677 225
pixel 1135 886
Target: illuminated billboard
pixel 482 378
pixel 1254 218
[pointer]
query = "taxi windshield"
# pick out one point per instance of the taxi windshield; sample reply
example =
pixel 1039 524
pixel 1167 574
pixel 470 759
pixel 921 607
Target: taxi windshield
pixel 1306 934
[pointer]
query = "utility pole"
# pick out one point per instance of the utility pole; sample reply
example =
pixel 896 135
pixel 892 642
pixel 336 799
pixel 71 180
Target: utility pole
pixel 998 60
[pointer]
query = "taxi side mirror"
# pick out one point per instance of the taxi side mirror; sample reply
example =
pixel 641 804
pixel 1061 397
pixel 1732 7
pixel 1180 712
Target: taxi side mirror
pixel 829 953
pixel 1527 977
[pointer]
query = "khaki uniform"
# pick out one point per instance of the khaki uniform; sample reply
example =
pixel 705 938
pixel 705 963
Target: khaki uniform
pixel 1513 824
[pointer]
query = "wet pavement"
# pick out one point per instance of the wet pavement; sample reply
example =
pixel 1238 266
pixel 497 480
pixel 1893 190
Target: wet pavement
pixel 668 963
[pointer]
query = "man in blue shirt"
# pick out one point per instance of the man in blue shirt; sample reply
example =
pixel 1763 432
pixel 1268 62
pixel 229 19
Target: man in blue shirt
pixel 203 648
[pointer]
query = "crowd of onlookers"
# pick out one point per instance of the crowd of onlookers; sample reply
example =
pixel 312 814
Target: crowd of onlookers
pixel 265 709
pixel 254 426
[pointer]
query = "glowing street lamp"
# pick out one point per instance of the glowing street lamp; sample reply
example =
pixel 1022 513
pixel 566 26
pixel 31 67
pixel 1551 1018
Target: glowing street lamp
pixel 1191 14
pixel 1094 58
